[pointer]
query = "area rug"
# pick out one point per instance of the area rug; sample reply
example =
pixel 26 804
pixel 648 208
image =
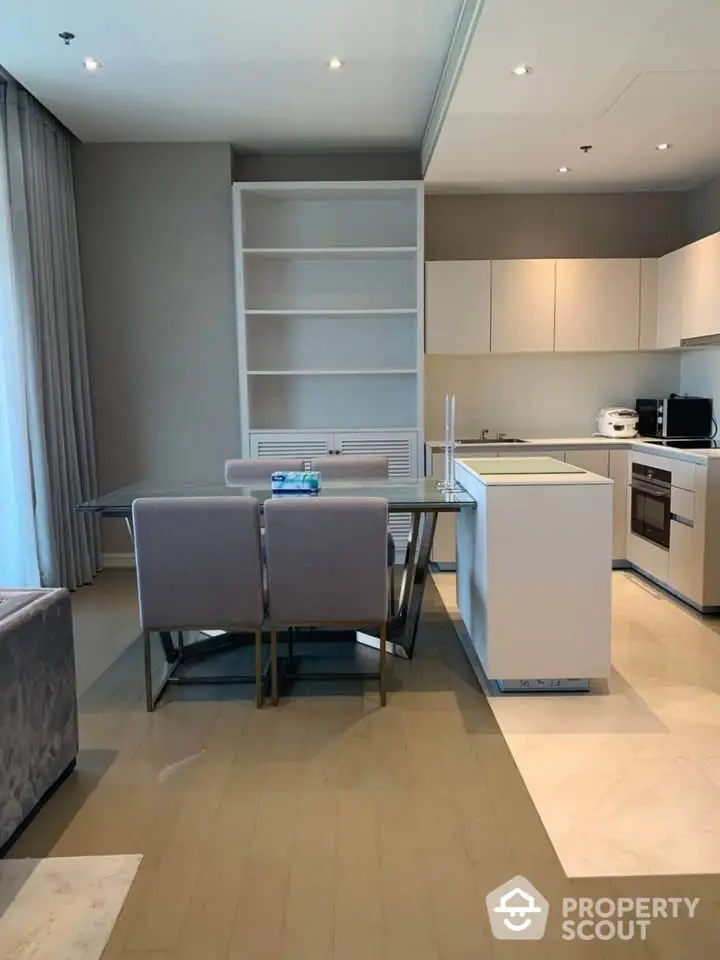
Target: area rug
pixel 62 907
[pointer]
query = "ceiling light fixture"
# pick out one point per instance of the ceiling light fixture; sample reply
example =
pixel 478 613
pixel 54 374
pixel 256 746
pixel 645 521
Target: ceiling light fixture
pixel 335 63
pixel 663 146
pixel 522 70
pixel 563 170
pixel 91 64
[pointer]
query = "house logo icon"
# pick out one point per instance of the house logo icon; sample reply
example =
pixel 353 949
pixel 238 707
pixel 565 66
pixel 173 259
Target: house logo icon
pixel 517 911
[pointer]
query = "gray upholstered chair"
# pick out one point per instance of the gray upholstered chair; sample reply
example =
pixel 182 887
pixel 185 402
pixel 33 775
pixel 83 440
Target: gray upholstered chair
pixel 199 567
pixel 349 467
pixel 258 468
pixel 362 467
pixel 326 566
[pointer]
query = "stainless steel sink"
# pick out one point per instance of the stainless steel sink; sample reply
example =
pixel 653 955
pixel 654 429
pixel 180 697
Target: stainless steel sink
pixel 480 440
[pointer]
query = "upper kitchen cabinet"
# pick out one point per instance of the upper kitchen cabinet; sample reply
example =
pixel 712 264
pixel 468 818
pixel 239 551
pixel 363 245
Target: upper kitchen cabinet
pixel 457 306
pixel 701 289
pixel 597 305
pixel 523 306
pixel 670 295
pixel 648 304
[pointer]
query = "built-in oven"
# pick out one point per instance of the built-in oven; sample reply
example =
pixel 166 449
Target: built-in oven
pixel 650 490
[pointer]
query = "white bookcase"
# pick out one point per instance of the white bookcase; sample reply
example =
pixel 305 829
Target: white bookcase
pixel 330 320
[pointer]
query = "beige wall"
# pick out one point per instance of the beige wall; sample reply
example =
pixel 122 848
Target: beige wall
pixel 555 395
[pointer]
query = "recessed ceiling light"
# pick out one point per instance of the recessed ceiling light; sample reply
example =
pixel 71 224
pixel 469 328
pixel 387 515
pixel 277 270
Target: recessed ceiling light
pixel 563 169
pixel 522 70
pixel 91 64
pixel 335 63
pixel 663 146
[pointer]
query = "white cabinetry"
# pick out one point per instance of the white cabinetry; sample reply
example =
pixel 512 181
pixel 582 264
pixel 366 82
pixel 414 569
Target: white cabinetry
pixel 295 444
pixel 701 289
pixel 457 306
pixel 595 461
pixel 330 299
pixel 619 473
pixel 597 305
pixel 613 464
pixel 523 306
pixel 400 447
pixel 648 304
pixel 671 283
pixel 686 560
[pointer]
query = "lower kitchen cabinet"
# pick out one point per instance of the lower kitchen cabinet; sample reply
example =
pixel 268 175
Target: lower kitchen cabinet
pixel 399 446
pixel 613 464
pixel 619 473
pixel 686 560
pixel 596 461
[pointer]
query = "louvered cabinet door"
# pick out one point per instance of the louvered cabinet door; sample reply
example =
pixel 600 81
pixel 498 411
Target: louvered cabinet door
pixel 401 450
pixel 305 445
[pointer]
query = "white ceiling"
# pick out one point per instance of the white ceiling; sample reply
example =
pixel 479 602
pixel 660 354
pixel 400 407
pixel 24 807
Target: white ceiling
pixel 622 75
pixel 251 72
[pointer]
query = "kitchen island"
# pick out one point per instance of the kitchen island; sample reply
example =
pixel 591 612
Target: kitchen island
pixel 534 566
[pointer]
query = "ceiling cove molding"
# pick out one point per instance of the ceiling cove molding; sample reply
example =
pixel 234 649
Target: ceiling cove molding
pixel 462 37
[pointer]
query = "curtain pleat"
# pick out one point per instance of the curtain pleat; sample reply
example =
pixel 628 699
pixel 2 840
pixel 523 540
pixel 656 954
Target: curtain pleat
pixel 60 420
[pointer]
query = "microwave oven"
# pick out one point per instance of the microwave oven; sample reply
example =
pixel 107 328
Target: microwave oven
pixel 675 417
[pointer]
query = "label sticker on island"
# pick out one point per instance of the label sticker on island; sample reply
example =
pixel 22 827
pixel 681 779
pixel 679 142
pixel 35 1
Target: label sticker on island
pixel 559 685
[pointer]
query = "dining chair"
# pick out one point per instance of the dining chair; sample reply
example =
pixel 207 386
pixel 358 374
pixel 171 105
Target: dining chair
pixel 351 467
pixel 326 567
pixel 199 567
pixel 361 467
pixel 258 468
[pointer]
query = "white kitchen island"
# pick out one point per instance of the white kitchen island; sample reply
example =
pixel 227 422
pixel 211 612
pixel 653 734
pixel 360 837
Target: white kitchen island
pixel 534 565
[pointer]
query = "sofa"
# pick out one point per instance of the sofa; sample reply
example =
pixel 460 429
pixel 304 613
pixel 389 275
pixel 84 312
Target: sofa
pixel 38 702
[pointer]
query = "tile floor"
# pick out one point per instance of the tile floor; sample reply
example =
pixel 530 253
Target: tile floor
pixel 328 828
pixel 627 782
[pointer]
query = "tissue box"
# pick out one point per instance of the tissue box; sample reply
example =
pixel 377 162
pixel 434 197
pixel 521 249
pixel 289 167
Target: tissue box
pixel 295 481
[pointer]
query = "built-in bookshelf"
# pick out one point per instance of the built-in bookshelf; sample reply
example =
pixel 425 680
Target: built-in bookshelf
pixel 330 320
pixel 330 307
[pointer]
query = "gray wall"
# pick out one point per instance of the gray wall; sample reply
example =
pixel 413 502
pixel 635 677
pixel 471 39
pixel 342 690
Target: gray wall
pixel 328 165
pixel 155 227
pixel 508 226
pixel 703 210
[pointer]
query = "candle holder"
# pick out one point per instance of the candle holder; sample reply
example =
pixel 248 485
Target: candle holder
pixel 449 484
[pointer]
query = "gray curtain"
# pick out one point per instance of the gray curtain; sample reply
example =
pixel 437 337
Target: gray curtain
pixel 47 264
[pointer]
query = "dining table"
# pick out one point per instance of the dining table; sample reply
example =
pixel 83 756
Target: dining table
pixel 424 499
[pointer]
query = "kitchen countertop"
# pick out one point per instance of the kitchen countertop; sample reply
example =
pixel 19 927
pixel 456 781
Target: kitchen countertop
pixel 543 476
pixel 639 444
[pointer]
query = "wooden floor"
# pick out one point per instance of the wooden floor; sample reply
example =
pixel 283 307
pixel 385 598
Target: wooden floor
pixel 324 828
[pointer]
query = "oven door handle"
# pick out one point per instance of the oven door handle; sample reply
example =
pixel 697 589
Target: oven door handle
pixel 662 493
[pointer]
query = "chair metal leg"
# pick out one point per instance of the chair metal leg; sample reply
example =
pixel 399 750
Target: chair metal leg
pixel 383 663
pixel 259 678
pixel 273 666
pixel 149 700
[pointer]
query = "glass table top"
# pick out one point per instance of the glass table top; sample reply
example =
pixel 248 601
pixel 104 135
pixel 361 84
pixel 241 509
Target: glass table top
pixel 403 495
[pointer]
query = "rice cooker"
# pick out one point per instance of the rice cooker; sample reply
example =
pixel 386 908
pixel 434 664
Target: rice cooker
pixel 617 422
